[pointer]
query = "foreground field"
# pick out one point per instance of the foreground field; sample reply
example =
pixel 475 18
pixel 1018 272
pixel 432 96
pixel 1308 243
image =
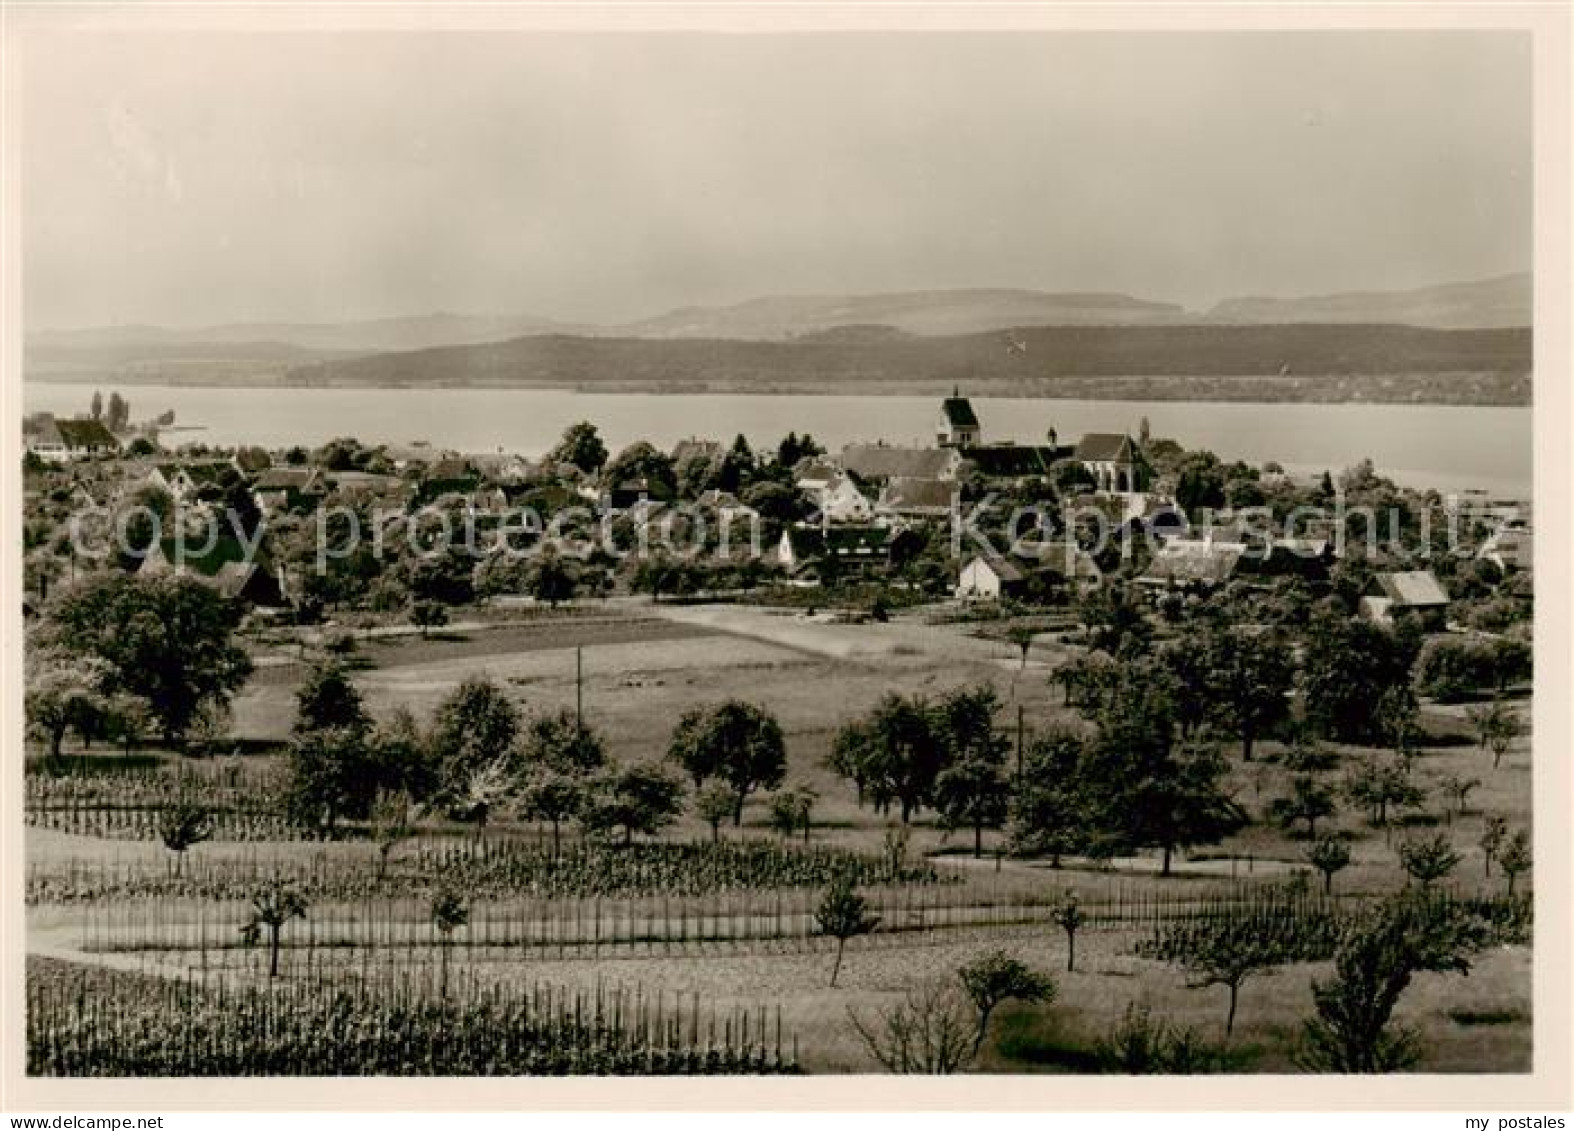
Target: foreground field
pixel 716 934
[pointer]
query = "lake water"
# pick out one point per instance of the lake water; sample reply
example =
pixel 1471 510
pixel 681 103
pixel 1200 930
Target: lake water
pixel 1446 447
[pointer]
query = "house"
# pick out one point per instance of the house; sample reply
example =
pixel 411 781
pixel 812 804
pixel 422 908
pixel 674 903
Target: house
pixel 1015 463
pixel 815 474
pixel 185 482
pixel 1193 563
pixel 1114 461
pixel 633 492
pixel 1049 568
pixel 989 577
pixel 958 425
pixel 916 498
pixel 1415 591
pixel 1512 547
pixel 224 567
pixel 61 440
pixel 842 501
pixel 251 461
pixel 450 475
pixel 882 461
pixel 849 548
pixel 694 448
pixel 288 488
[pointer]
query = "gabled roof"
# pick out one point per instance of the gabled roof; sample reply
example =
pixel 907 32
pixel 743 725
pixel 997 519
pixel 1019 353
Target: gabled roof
pixel 1013 461
pixel 451 469
pixel 287 479
pixel 1002 567
pixel 878 461
pixel 958 412
pixel 1417 588
pixel 1183 560
pixel 846 542
pixel 690 448
pixel 1105 447
pixel 917 496
pixel 201 474
pixel 812 471
pixel 86 434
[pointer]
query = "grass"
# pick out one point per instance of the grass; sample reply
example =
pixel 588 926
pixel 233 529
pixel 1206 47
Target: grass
pixel 641 672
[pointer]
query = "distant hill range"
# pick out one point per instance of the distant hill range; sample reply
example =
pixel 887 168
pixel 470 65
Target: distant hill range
pixel 1029 341
pixel 1487 304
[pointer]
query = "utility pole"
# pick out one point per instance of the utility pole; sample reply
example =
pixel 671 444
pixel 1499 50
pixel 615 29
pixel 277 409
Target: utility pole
pixel 579 688
pixel 1019 746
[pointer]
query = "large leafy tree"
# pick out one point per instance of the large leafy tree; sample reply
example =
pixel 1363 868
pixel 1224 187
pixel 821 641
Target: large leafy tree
pixel 1049 816
pixel 736 742
pixel 1250 675
pixel 895 752
pixel 1146 789
pixel 327 698
pixel 167 639
pixel 971 791
pixel 1349 665
pixel 473 735
pixel 561 757
pixel 637 799
pixel 581 446
pixel 62 693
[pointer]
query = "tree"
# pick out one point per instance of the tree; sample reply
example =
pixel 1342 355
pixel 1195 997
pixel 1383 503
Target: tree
pixel 929 1032
pixel 167 638
pixel 1348 665
pixel 427 615
pixel 1250 677
pixel 1350 1031
pixel 1459 788
pixel 1430 860
pixel 896 754
pixel 972 794
pixel 1329 855
pixel 1225 950
pixel 273 906
pixel 843 914
pixel 736 742
pixel 1382 786
pixel 1494 831
pixel 327 698
pixel 183 825
pixel 1309 801
pixel 714 804
pixel 1145 790
pixel 562 742
pixel 119 413
pixel 1049 813
pixel 997 977
pixel 549 579
pixel 334 773
pixel 1069 917
pixel 637 799
pixel 551 795
pixel 448 911
pixel 581 446
pixel 791 810
pixel 472 739
pixel 126 719
pixel 392 822
pixel 64 692
pixel 1514 857
pixel 1022 636
pixel 98 405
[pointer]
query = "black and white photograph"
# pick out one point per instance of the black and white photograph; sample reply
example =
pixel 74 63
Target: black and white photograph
pixel 814 551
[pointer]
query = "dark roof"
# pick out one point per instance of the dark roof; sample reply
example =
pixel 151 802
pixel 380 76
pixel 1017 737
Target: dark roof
pixel 451 469
pixel 917 496
pixel 86 434
pixel 959 412
pixel 840 541
pixel 1002 567
pixel 878 461
pixel 1105 447
pixel 287 479
pixel 203 473
pixel 1014 461
pixel 815 469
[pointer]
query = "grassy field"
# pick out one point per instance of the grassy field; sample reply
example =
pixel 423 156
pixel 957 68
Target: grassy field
pixel 641 669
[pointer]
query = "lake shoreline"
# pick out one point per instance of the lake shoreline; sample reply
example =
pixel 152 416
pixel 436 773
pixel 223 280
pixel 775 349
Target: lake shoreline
pixel 1465 389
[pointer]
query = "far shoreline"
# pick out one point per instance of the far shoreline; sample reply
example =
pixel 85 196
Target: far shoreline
pixel 1459 390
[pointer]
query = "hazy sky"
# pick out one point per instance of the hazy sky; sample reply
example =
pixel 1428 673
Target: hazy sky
pixel 203 178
